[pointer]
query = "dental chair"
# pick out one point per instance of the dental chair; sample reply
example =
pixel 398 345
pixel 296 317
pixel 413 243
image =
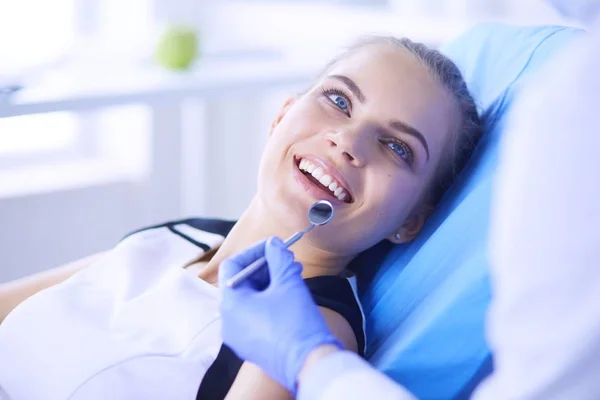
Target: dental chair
pixel 425 302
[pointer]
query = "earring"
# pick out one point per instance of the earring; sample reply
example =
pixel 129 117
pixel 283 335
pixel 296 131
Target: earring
pixel 398 236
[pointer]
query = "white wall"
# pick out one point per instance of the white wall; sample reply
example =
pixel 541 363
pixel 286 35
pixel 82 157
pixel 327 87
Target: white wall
pixel 41 231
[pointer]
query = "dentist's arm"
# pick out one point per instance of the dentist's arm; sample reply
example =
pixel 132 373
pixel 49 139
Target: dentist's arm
pixel 263 327
pixel 544 325
pixel 329 373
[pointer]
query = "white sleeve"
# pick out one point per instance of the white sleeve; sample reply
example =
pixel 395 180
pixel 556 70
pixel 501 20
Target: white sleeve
pixel 544 322
pixel 344 375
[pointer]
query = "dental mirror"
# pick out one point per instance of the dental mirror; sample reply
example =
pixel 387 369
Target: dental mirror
pixel 320 213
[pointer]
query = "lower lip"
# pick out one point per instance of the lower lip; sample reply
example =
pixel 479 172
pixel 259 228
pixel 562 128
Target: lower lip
pixel 313 189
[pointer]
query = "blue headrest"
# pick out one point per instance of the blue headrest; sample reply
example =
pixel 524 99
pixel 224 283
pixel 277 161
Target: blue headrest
pixel 426 302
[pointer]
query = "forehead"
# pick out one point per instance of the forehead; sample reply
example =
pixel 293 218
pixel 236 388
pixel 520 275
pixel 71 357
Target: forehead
pixel 398 86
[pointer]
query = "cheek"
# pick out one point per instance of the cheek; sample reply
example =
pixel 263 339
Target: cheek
pixel 391 197
pixel 303 120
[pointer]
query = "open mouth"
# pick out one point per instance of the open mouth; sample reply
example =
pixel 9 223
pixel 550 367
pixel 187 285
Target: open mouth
pixel 324 181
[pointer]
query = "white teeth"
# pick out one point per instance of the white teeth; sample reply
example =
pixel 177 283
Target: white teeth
pixel 317 173
pixel 325 180
pixel 307 166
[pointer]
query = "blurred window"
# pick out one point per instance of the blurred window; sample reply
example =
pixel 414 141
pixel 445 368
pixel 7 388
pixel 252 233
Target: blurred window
pixel 37 36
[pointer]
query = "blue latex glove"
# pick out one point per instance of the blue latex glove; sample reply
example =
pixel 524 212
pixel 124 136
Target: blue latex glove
pixel 273 327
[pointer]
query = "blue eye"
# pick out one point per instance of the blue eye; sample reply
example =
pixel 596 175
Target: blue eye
pixel 402 151
pixel 339 101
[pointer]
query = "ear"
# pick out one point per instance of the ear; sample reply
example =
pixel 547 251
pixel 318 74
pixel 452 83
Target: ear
pixel 287 104
pixel 412 226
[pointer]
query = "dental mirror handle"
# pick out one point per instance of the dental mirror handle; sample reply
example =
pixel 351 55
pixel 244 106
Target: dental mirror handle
pixel 258 264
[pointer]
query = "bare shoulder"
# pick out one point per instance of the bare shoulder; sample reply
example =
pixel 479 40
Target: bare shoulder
pixel 341 328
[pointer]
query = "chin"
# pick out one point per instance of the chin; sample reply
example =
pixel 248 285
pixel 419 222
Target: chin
pixel 287 210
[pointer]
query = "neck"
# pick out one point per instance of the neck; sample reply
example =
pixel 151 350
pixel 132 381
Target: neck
pixel 257 224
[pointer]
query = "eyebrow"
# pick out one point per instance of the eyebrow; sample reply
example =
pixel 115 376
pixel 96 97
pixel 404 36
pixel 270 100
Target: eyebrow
pixel 351 85
pixel 404 127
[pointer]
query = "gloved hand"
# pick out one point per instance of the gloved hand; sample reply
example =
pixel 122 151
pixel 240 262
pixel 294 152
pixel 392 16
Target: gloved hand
pixel 275 327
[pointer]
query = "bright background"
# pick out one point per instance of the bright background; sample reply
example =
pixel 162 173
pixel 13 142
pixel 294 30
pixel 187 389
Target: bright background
pixel 101 141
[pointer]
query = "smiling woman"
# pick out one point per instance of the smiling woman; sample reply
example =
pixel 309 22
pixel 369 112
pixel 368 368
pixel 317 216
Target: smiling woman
pixel 378 134
pixel 389 119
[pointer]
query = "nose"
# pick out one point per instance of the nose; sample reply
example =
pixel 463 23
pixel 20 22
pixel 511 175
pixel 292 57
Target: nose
pixel 349 145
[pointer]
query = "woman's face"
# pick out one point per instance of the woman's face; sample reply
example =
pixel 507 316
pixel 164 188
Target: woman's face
pixel 367 137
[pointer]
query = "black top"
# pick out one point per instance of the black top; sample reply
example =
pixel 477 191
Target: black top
pixel 333 292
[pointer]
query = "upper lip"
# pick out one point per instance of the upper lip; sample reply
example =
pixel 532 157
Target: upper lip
pixel 329 169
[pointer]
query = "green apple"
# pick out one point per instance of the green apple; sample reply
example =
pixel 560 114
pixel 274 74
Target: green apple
pixel 177 47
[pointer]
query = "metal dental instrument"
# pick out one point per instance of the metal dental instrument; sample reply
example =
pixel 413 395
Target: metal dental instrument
pixel 320 213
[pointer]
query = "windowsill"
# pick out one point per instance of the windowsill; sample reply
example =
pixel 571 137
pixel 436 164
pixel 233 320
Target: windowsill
pixel 74 88
pixel 78 87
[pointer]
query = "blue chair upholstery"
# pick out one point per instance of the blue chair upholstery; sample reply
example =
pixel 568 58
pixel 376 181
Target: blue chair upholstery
pixel 425 303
